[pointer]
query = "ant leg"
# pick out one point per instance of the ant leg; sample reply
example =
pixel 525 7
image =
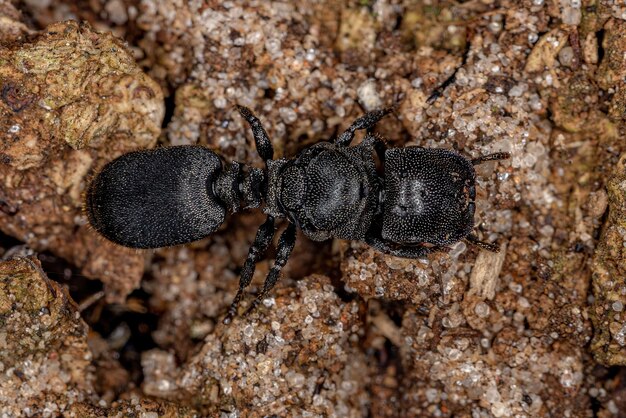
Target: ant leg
pixel 449 81
pixel 377 143
pixel 405 251
pixel 473 239
pixel 439 90
pixel 263 143
pixel 367 121
pixel 262 240
pixel 491 157
pixel 285 245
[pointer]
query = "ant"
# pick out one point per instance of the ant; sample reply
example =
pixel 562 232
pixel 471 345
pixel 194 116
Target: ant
pixel 420 204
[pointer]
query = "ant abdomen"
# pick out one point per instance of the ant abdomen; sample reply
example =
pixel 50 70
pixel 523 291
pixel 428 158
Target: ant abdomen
pixel 157 198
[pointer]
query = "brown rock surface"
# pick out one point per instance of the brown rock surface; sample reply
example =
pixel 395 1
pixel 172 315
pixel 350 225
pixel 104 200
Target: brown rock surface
pixel 72 100
pixel 44 356
pixel 609 272
pixel 298 354
pixel 461 334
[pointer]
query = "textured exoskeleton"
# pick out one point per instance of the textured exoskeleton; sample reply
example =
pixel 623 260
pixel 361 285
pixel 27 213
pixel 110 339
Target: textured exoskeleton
pixel 422 201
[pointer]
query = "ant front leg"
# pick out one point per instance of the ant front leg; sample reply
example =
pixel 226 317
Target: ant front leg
pixel 413 252
pixel 263 239
pixel 374 141
pixel 263 143
pixel 367 121
pixel 285 246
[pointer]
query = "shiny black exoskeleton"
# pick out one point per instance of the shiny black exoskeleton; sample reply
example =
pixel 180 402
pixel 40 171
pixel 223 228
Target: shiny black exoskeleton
pixel 422 202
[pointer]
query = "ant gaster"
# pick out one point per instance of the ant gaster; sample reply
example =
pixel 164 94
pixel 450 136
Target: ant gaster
pixel 423 201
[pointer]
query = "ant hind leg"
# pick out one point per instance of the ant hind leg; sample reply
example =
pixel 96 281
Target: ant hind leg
pixel 258 248
pixel 285 246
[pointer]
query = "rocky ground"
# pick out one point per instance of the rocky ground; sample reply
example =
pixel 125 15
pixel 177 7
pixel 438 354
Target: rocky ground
pixel 91 329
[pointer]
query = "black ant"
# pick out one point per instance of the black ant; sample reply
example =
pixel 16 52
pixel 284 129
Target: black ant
pixel 423 201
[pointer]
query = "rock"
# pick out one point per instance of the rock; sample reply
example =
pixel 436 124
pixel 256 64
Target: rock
pixel 608 311
pixel 71 100
pixel 457 334
pixel 297 354
pixel 44 357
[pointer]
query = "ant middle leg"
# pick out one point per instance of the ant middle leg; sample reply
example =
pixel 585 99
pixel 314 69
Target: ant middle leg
pixel 285 245
pixel 262 240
